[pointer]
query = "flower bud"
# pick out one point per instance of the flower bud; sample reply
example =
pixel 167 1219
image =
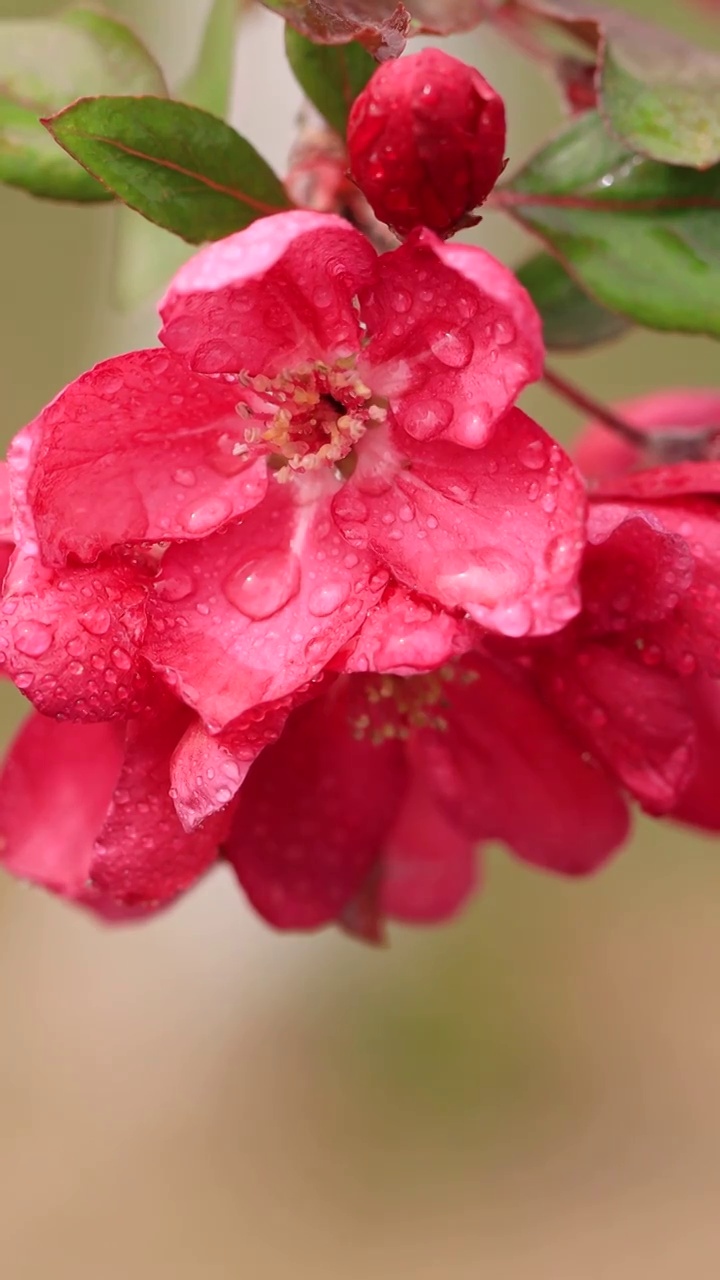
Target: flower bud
pixel 426 140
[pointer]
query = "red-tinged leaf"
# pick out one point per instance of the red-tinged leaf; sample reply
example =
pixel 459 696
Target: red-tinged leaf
pixel 380 25
pixel 657 92
pixel 181 167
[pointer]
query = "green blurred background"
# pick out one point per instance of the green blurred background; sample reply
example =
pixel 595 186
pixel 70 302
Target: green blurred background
pixel 533 1092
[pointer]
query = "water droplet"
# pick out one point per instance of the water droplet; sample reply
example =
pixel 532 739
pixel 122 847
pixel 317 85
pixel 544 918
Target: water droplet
pixel 185 477
pixel 32 638
pixel 424 419
pixel 560 553
pixel 121 658
pixel 215 357
pixel 548 502
pixel 205 516
pixel 533 455
pixel 472 428
pixel 503 332
pixel 401 299
pixel 174 586
pixel 261 587
pixel 687 664
pixel 533 491
pixel 325 599
pixel 406 513
pixel 451 348
pixel 96 621
pixel 598 718
pixel 513 619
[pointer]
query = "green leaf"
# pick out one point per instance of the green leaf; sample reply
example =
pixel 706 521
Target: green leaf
pixel 657 92
pixel 642 238
pixel 146 256
pixel 571 320
pixel 46 63
pixel 331 76
pixel 175 164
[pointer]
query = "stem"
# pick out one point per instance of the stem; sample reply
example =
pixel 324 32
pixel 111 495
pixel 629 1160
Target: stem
pixel 504 198
pixel 588 404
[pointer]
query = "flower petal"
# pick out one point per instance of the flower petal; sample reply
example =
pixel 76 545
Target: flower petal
pixel 429 866
pixel 142 857
pixel 699 804
pixel 70 638
pixel 312 815
pixel 603 455
pixel 250 615
pixel 271 297
pixel 634 569
pixel 497 532
pixel 633 718
pixel 405 634
pixel 138 450
pixel 506 769
pixel 454 339
pixel 55 788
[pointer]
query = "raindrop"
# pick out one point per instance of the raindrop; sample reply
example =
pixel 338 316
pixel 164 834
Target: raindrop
pixel 32 638
pixel 96 621
pixel 327 598
pixel 261 587
pixel 206 516
pixel 453 349
pixel 185 477
pixel 426 418
pixel 533 456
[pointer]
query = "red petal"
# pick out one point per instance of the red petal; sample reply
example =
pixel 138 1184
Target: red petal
pixel 276 295
pixel 404 634
pixel 251 614
pixel 69 639
pixel 699 804
pixel 312 816
pixel 429 867
pixel 453 339
pixel 634 569
pixel 602 454
pixel 55 788
pixel 506 769
pixel 634 719
pixel 142 856
pixel 138 450
pixel 497 532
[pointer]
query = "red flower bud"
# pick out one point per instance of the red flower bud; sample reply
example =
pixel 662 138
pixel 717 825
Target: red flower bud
pixel 426 139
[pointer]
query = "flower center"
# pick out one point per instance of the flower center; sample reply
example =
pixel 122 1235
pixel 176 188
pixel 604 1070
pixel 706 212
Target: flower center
pixel 311 416
pixel 393 706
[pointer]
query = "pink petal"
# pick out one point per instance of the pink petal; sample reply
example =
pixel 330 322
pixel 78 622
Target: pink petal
pixel 208 769
pixel 602 454
pixel 55 788
pixel 405 634
pixel 497 532
pixel 633 718
pixel 271 297
pixel 312 815
pixel 670 481
pixel 252 614
pixel 70 639
pixel 699 804
pixel 138 450
pixel 634 569
pixel 429 866
pixel 6 526
pixel 142 856
pixel 453 339
pixel 507 770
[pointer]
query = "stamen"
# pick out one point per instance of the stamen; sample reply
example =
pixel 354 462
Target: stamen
pixel 397 705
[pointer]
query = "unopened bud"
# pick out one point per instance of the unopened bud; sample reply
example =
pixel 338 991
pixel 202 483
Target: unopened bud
pixel 426 139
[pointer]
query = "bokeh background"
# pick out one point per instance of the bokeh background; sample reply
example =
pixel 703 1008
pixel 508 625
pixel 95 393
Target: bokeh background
pixel 532 1092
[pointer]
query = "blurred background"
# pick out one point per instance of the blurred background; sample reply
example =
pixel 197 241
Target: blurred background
pixel 532 1092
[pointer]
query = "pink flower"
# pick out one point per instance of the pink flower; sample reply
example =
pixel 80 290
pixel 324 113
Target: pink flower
pixel 460 756
pixel 426 140
pixel 224 514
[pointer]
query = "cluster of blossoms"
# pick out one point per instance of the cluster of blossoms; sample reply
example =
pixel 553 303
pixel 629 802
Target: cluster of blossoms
pixel 303 590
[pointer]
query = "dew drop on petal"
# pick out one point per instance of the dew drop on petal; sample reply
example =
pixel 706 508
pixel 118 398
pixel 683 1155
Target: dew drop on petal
pixel 451 348
pixel 174 586
pixel 185 477
pixel 514 619
pixel 325 599
pixel 262 586
pixel 121 658
pixel 32 638
pixel 96 621
pixel 472 428
pixel 533 455
pixel 424 419
pixel 204 516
